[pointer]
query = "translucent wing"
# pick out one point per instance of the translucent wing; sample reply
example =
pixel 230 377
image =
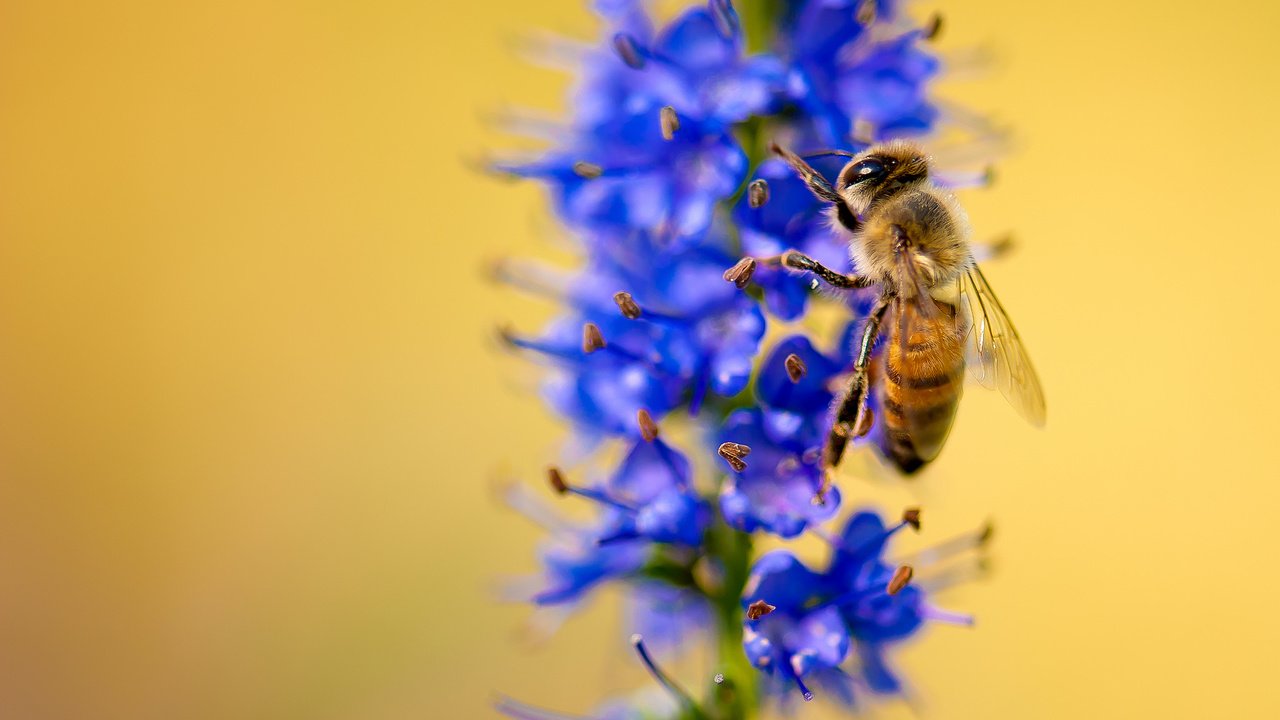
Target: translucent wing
pixel 994 351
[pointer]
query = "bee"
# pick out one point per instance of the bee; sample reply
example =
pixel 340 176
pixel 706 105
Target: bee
pixel 935 315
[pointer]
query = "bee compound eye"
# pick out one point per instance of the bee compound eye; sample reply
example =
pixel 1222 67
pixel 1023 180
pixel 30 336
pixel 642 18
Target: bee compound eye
pixel 868 169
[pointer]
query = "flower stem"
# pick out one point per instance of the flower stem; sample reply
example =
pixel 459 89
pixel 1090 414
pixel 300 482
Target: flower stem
pixel 735 697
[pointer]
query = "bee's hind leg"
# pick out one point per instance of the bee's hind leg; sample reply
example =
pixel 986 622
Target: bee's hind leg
pixel 853 417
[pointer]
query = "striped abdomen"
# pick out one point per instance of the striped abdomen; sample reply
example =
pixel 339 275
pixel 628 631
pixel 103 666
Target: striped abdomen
pixel 921 375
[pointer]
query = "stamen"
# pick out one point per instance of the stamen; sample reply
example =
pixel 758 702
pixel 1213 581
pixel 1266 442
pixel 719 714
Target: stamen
pixel 733 454
pixel 557 480
pixel 933 27
pixel 740 274
pixel 968 541
pixel 911 516
pixel 796 369
pixel 759 609
pixel 592 340
pixel 795 675
pixel 900 578
pixel 866 13
pixel 669 121
pixel 586 170
pixel 648 428
pixel 725 17
pixel 637 641
pixel 946 616
pixel 628 50
pixel 627 304
pixel 758 193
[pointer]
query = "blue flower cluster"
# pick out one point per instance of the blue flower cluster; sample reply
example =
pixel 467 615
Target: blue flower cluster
pixel 669 130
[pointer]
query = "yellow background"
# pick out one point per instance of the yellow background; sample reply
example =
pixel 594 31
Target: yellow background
pixel 250 411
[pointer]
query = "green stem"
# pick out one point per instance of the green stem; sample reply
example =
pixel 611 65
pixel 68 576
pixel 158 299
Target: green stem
pixel 735 697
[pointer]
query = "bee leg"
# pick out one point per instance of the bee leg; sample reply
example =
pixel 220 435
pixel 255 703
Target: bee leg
pixel 819 186
pixel 852 415
pixel 797 260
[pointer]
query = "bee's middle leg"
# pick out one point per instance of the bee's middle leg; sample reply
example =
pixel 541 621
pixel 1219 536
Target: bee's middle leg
pixel 852 415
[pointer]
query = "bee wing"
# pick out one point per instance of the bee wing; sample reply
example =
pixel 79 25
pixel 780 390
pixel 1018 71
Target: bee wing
pixel 994 352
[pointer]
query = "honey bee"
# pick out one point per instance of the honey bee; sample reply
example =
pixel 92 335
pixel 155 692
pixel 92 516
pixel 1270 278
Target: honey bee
pixel 909 239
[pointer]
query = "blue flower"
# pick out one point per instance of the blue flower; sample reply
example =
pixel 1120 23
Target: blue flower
pixel 776 490
pixel 857 580
pixel 788 635
pixel 693 334
pixel 800 621
pixel 617 171
pixel 845 71
pixel 646 502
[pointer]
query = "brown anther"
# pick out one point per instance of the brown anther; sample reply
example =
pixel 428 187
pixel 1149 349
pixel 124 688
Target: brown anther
pixel 590 171
pixel 758 193
pixel 625 46
pixel 759 609
pixel 507 335
pixel 669 121
pixel 648 428
pixel 592 340
pixel 900 578
pixel 984 536
pixel 911 516
pixel 627 304
pixel 866 13
pixel 735 449
pixel 862 426
pixel 796 369
pixel 733 454
pixel 933 27
pixel 557 480
pixel 741 272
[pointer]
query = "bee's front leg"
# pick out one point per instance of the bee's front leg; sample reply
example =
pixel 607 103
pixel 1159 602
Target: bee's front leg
pixel 853 417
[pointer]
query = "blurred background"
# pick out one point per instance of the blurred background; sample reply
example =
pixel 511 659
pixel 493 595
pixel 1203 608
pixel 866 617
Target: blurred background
pixel 251 411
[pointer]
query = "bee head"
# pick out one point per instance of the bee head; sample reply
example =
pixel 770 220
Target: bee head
pixel 881 171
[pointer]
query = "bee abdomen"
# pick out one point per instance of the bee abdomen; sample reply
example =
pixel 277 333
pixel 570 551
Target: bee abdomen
pixel 919 395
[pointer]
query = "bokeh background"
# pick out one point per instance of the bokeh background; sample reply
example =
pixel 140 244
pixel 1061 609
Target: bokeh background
pixel 251 412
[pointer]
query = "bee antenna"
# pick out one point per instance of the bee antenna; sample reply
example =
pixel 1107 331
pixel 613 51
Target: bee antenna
pixel 824 153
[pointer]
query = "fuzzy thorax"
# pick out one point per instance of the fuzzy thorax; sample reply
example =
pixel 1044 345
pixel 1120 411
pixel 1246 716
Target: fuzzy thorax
pixel 915 241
